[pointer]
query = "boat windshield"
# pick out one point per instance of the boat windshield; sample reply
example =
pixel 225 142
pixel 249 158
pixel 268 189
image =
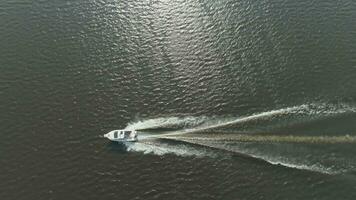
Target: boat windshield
pixel 127 134
pixel 115 134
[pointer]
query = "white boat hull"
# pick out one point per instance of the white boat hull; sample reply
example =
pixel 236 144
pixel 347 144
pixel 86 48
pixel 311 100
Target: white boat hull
pixel 122 135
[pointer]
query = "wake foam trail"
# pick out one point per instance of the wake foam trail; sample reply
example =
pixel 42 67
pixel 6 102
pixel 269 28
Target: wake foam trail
pixel 159 148
pixel 274 159
pixel 324 154
pixel 287 150
pixel 169 123
pixel 233 138
pixel 281 117
pixel 259 122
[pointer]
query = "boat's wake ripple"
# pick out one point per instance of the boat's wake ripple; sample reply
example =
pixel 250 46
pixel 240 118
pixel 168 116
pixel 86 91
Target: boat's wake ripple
pixel 253 136
pixel 167 123
pixel 157 147
pixel 258 122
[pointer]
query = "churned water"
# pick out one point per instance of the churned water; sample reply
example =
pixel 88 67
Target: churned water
pixel 233 99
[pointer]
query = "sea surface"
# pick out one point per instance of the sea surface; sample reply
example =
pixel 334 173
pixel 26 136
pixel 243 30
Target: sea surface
pixel 234 99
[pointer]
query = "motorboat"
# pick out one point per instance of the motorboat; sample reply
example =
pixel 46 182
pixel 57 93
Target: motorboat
pixel 122 135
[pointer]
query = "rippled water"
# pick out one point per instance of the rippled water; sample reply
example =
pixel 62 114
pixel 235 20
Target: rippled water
pixel 239 99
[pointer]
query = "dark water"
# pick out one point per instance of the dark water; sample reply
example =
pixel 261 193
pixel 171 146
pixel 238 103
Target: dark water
pixel 260 94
